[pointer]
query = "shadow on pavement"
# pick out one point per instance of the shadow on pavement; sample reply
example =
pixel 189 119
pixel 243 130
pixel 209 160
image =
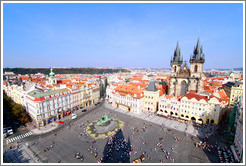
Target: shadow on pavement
pixel 14 156
pixel 214 142
pixel 117 150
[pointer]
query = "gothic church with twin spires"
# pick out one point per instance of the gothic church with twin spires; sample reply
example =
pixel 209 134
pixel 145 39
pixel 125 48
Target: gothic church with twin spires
pixel 183 79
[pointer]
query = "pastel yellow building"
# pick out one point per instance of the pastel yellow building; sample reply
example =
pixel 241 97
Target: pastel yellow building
pixel 201 109
pixel 233 90
pixel 85 94
pixel 151 97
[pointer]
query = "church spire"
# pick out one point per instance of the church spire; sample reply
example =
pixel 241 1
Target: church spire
pixel 198 55
pixel 177 56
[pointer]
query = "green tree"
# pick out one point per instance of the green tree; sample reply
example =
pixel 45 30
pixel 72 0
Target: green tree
pixel 16 110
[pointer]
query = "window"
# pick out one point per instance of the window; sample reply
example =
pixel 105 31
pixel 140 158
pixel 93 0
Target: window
pixel 195 69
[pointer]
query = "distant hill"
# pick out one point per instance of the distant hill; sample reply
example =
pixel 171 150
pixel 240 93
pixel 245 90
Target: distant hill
pixel 229 69
pixel 238 69
pixel 63 70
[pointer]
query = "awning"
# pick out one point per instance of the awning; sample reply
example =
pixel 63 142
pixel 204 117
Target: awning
pixel 162 113
pixel 184 118
pixel 198 121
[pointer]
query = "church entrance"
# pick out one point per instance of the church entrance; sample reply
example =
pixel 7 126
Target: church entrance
pixel 184 88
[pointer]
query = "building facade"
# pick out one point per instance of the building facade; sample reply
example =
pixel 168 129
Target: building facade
pixel 201 109
pixel 128 98
pixel 237 147
pixel 95 93
pixel 45 107
pixel 151 97
pixel 169 105
pixel 233 91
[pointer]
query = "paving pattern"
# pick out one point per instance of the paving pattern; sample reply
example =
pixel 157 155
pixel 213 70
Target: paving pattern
pixel 9 140
pixel 160 121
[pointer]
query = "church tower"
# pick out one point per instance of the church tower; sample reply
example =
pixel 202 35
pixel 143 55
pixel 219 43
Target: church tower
pixel 196 68
pixel 176 63
pixel 52 78
pixel 183 79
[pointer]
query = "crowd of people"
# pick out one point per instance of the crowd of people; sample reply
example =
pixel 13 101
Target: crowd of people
pixel 117 150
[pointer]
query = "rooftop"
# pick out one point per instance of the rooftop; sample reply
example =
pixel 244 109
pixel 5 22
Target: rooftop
pixel 151 87
pixel 38 94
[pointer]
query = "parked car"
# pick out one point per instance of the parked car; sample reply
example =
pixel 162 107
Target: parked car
pixel 10 131
pixel 74 116
pixel 84 110
pixel 4 132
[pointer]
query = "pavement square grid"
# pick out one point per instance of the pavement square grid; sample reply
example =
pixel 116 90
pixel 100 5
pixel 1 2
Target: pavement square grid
pixel 159 120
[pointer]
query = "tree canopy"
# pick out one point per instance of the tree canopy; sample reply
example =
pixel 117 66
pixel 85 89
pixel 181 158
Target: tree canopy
pixel 16 110
pixel 63 70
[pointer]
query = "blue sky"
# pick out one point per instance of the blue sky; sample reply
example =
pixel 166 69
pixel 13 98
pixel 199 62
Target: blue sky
pixel 120 35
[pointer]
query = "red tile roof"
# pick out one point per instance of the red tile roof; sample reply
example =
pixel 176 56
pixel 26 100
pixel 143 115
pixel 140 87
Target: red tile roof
pixel 63 81
pixel 131 90
pixel 169 96
pixel 138 84
pixel 196 96
pixel 223 95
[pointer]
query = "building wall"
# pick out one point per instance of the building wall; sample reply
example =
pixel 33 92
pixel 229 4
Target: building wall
pixel 75 98
pixel 214 109
pixel 235 93
pixel 193 108
pixel 238 141
pixel 95 95
pixel 197 74
pixel 209 111
pixel 43 110
pixel 151 101
pixel 127 101
pixel 194 80
pixel 85 95
pixel 168 106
